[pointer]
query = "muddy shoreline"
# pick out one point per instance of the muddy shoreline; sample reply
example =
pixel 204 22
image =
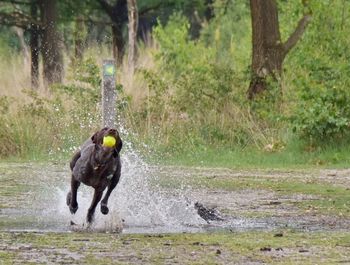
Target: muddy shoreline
pixel 243 209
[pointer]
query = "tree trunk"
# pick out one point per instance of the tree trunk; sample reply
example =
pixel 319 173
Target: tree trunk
pixel 79 38
pixel 118 44
pixel 133 24
pixel 34 48
pixel 51 48
pixel 267 57
pixel 118 13
pixel 20 34
pixel 268 50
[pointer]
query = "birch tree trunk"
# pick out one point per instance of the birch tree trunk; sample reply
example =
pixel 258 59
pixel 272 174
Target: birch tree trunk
pixel 34 47
pixel 20 34
pixel 133 25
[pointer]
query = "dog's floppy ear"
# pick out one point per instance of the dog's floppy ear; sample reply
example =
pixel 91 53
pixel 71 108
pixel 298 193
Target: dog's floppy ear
pixel 97 137
pixel 94 137
pixel 118 147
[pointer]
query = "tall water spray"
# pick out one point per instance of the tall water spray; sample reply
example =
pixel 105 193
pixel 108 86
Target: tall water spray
pixel 138 203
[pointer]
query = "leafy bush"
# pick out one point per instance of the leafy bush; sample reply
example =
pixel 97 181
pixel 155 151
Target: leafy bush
pixel 27 129
pixel 323 115
pixel 52 125
pixel 194 97
pixel 319 78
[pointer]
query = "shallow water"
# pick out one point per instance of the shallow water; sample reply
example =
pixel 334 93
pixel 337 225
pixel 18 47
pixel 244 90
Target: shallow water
pixel 36 200
pixel 33 198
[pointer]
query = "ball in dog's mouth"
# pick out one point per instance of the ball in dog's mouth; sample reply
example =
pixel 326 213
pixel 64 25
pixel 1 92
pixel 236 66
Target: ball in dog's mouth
pixel 109 141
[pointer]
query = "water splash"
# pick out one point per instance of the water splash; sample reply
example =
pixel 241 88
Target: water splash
pixel 39 203
pixel 138 204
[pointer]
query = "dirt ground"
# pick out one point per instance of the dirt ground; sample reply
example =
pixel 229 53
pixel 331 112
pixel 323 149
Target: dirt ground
pixel 269 217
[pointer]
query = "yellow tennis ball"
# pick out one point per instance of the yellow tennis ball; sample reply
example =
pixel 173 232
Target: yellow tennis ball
pixel 109 141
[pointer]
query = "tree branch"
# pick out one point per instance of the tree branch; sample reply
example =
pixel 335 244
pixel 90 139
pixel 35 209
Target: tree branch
pixel 106 7
pixel 150 8
pixel 17 19
pixel 296 35
pixel 15 2
pixel 101 22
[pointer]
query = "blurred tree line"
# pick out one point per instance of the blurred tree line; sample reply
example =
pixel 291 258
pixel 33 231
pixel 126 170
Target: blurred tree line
pixel 50 25
pixel 230 72
pixel 45 21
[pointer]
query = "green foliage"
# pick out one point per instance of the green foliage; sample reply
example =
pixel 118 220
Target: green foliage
pixel 8 43
pixel 177 52
pixel 198 87
pixel 27 131
pixel 267 106
pixel 319 77
pixel 5 103
pixel 194 92
pixel 229 33
pixel 55 125
pixel 323 114
pixel 195 98
pixel 84 83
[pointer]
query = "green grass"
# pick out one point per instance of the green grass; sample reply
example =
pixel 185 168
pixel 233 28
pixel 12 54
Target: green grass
pixel 331 157
pixel 294 156
pixel 235 158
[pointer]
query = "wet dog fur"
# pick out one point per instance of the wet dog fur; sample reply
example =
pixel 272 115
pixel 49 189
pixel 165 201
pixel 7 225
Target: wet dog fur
pixel 97 166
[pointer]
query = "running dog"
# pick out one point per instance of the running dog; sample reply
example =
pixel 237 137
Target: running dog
pixel 96 164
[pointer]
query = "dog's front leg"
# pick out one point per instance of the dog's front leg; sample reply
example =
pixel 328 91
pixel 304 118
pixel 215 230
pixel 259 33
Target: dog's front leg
pixel 111 186
pixel 97 197
pixel 72 196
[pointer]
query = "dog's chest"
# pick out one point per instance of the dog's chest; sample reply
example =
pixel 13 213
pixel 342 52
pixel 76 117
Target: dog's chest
pixel 98 175
pixel 105 172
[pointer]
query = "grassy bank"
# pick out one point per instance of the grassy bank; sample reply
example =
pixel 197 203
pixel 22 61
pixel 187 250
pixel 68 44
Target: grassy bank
pixel 330 156
pixel 291 157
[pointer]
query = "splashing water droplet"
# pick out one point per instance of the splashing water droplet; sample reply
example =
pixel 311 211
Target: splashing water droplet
pixel 137 203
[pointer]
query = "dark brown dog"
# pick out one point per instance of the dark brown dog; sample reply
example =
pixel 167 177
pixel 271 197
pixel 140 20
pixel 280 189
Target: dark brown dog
pixel 97 166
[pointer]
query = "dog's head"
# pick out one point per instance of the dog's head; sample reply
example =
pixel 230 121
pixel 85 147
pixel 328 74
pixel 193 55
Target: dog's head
pixel 101 156
pixel 97 139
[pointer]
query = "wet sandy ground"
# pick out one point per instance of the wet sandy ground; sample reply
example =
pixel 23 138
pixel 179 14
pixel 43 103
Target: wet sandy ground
pixel 31 193
pixel 34 222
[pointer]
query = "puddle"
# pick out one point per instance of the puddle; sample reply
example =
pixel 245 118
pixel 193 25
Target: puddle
pixel 137 205
pixel 37 202
pixel 33 199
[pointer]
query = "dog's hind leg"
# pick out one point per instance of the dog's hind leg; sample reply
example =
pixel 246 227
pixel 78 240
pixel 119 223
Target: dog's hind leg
pixel 72 196
pixel 97 197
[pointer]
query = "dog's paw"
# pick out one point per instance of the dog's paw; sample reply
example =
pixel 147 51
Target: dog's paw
pixel 73 209
pixel 104 209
